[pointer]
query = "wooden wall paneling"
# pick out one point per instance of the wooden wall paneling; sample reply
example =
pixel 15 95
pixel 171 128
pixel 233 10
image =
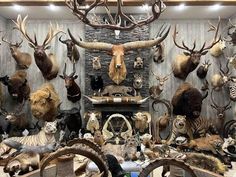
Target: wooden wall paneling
pixel 35 78
pixel 189 30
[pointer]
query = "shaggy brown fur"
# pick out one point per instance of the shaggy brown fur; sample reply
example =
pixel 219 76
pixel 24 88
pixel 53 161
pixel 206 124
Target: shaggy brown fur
pixel 44 103
pixel 187 101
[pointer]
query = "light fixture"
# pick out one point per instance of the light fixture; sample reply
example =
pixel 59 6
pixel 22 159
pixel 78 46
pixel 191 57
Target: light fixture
pixel 215 7
pixel 181 7
pixel 145 7
pixel 17 7
pixel 52 7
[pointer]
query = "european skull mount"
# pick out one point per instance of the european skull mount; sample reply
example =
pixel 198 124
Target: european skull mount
pixel 117 69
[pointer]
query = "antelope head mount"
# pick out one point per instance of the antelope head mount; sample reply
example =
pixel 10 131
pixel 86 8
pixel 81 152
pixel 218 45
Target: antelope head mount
pixel 117 68
pixel 186 63
pixel 46 63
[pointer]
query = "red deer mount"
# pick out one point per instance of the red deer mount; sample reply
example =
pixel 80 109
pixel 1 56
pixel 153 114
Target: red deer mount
pixel 46 62
pixel 117 69
pixel 188 61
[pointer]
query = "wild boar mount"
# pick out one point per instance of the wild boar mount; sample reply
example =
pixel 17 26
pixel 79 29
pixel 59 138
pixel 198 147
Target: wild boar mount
pixel 73 90
pixel 17 85
pixel 188 61
pixel 72 51
pixel 187 101
pixel 117 68
pixel 46 62
pixel 23 59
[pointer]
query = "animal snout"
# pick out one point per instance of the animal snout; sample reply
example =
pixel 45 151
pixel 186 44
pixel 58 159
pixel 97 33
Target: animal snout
pixel 118 66
pixel 36 113
pixel 181 124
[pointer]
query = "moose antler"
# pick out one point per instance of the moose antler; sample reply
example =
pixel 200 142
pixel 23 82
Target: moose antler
pixel 82 14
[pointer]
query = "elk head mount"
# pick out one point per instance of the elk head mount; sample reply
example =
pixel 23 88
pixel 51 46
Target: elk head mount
pixel 187 62
pixel 23 60
pixel 72 51
pixel 117 69
pixel 46 62
pixel 73 90
pixel 113 23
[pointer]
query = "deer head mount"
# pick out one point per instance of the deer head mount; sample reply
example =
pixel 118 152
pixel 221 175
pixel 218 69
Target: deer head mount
pixel 231 32
pixel 23 60
pixel 156 90
pixel 186 63
pixel 117 68
pixel 220 109
pixel 113 23
pixel 46 63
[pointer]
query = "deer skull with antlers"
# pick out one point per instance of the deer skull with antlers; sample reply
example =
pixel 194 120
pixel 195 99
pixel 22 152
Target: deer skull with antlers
pixel 156 90
pixel 117 68
pixel 187 62
pixel 23 59
pixel 46 62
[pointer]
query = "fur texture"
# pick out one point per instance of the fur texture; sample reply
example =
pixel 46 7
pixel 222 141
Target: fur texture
pixel 44 103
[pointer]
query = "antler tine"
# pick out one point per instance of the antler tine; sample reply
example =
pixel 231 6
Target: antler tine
pixel 4 40
pixel 62 41
pixel 215 40
pixel 72 74
pixel 157 77
pixel 174 38
pixel 19 43
pixel 194 45
pixel 51 34
pixel 21 26
pixel 167 76
pixel 231 23
pixel 212 27
pixel 212 100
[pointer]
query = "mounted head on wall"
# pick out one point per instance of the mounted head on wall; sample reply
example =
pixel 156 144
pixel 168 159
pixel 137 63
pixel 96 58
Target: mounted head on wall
pixel 73 90
pixel 17 85
pixel 45 62
pixel 188 61
pixel 23 60
pixel 72 51
pixel 203 69
pixel 231 32
pixel 117 68
pixel 187 101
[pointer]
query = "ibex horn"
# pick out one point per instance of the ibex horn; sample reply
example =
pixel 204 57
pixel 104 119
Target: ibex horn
pixel 62 41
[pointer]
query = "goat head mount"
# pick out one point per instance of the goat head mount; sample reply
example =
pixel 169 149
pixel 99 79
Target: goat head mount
pixel 46 62
pixel 23 60
pixel 203 69
pixel 117 68
pixel 188 61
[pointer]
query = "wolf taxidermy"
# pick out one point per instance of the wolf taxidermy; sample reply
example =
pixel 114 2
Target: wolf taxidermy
pixel 45 136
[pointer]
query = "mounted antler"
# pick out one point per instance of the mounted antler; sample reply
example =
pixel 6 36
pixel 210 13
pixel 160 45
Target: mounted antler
pixel 46 63
pixel 184 64
pixel 113 23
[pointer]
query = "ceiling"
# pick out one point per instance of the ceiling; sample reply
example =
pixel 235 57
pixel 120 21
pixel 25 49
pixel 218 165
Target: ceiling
pixel 172 12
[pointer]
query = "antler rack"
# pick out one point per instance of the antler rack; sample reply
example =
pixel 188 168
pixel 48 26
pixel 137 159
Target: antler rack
pixel 113 23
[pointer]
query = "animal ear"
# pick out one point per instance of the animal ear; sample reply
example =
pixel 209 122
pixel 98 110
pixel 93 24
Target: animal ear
pixel 75 77
pixel 186 53
pixel 204 53
pixel 61 76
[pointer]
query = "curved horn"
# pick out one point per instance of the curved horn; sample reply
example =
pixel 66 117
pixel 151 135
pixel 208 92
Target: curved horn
pixel 143 100
pixel 62 41
pixel 92 100
pixel 145 44
pixel 64 70
pixel 72 74
pixel 91 45
pixel 204 96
